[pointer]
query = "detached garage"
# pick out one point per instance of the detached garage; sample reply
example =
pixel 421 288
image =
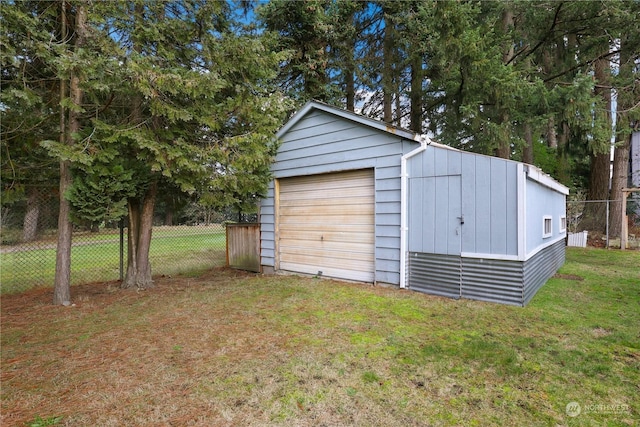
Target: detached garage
pixel 355 199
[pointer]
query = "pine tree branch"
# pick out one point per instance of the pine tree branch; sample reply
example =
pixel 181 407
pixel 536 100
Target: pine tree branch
pixel 544 39
pixel 582 64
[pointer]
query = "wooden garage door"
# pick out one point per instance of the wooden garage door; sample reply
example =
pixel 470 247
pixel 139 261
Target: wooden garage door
pixel 326 224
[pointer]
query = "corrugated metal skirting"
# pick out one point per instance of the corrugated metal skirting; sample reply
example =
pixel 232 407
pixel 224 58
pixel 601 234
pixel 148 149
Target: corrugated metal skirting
pixel 502 281
pixel 492 280
pixel 434 274
pixel 540 267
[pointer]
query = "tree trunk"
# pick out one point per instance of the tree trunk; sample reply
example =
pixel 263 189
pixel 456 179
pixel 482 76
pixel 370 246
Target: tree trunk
pixel 564 167
pixel 62 280
pixel 552 137
pixel 350 86
pixel 547 69
pixel 138 273
pixel 139 240
pixel 626 99
pixel 387 71
pixel 595 213
pixel 349 72
pixel 168 214
pixel 508 23
pixel 503 149
pixel 594 217
pixel 527 151
pixel 417 74
pixel 31 217
pixel 618 182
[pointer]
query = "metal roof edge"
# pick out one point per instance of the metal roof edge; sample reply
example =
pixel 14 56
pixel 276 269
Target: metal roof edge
pixel 533 172
pixel 348 115
pixel 539 176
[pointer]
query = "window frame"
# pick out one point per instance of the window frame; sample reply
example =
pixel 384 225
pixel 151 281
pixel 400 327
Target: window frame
pixel 562 225
pixel 546 234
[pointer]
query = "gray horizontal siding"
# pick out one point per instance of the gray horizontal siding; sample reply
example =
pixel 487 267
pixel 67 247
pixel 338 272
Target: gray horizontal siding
pixel 391 207
pixel 320 143
pixel 387 219
pixel 267 229
pixel 320 139
pixel 391 172
pixel 388 242
pixel 365 140
pixel 434 274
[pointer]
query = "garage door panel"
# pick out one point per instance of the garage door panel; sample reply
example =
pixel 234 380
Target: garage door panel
pixel 318 238
pixel 320 201
pixel 307 215
pixel 327 182
pixel 328 249
pixel 336 195
pixel 341 273
pixel 301 230
pixel 319 257
pixel 327 223
pixel 359 179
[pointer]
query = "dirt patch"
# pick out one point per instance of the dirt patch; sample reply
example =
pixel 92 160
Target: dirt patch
pixel 81 362
pixel 600 332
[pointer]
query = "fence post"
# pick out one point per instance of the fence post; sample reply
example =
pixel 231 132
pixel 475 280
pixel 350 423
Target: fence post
pixel 607 224
pixel 121 249
pixel 623 224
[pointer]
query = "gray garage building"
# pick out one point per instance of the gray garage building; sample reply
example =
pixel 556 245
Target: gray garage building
pixel 355 199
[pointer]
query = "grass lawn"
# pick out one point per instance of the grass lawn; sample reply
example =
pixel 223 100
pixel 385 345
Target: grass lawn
pixel 230 348
pixel 96 257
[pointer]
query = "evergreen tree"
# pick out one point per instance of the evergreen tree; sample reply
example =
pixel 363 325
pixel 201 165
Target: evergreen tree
pixel 150 97
pixel 201 113
pixel 29 99
pixel 304 29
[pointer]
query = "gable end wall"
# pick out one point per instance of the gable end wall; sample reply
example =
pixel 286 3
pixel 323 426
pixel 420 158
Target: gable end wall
pixel 323 143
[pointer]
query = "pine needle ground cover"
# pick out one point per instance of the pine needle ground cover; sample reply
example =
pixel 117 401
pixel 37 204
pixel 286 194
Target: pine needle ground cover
pixel 229 348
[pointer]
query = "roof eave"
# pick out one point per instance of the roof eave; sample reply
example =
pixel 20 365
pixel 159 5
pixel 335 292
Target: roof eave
pixel 348 115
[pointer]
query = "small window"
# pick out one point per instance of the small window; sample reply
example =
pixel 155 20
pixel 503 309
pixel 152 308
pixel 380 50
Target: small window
pixel 547 230
pixel 563 224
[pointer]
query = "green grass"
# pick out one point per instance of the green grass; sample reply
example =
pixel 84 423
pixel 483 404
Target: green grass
pixel 230 349
pixel 96 257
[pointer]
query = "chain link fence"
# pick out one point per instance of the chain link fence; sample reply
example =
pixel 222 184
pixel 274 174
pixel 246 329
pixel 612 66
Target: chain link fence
pixel 192 239
pixel 602 221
